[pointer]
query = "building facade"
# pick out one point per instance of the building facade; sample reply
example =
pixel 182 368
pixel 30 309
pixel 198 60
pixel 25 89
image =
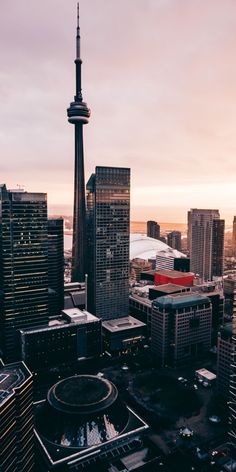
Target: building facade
pixel 153 229
pixel 232 382
pixel 16 418
pixel 174 240
pixel 166 276
pixel 206 242
pixel 74 336
pixel 124 335
pixel 23 266
pixel 234 236
pixel 224 354
pixel 218 232
pixel 55 266
pixel 180 328
pixel 108 223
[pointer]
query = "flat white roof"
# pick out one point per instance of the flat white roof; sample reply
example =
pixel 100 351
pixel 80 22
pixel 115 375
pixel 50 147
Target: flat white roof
pixel 77 314
pixel 206 373
pixel 121 324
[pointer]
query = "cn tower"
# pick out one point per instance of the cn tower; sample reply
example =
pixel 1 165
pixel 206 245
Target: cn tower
pixel 78 114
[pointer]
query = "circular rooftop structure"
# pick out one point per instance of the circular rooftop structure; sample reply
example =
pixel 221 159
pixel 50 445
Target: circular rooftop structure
pixel 80 412
pixel 143 247
pixel 82 394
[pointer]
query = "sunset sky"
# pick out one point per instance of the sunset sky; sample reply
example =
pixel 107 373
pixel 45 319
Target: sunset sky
pixel 160 79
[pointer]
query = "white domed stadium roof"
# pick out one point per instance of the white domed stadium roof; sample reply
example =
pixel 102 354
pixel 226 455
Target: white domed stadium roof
pixel 143 247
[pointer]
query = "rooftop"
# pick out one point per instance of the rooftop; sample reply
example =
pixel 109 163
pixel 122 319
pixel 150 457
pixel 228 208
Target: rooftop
pixel 81 394
pixel 174 273
pixel 75 315
pixel 12 376
pixel 206 373
pixel 72 316
pixel 168 288
pixel 180 300
pixel 122 324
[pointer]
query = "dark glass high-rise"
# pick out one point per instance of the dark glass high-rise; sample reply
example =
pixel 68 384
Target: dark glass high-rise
pixel 23 266
pixel 55 266
pixel 108 212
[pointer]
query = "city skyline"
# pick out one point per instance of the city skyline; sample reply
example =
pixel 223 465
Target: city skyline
pixel 169 63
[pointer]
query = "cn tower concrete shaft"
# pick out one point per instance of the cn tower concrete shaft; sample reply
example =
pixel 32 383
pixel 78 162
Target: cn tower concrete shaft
pixel 78 114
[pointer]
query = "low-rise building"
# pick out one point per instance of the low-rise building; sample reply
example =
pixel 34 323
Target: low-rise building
pixel 173 276
pixel 73 336
pixel 166 289
pixel 123 335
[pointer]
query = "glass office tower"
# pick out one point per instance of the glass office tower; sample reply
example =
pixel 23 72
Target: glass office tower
pixel 55 266
pixel 23 265
pixel 108 224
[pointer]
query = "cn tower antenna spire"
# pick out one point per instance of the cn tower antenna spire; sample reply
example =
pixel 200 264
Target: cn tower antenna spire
pixel 78 35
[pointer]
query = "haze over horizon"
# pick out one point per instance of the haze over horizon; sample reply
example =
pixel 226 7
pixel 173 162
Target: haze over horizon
pixel 159 77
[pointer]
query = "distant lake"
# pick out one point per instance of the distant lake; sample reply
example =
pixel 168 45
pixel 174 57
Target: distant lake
pixel 136 227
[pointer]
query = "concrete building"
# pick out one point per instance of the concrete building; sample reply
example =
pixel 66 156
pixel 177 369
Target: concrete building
pixel 180 328
pixel 216 297
pixel 108 211
pixel 16 418
pixel 174 240
pixel 123 335
pixel 73 336
pixel 74 295
pixel 153 229
pixel 138 266
pixel 224 358
pixel 78 114
pixel 229 287
pixel 166 289
pixel 23 266
pixel 206 243
pixel 141 308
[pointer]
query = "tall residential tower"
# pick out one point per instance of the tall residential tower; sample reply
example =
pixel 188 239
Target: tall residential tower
pixel 153 229
pixel 206 242
pixel 78 114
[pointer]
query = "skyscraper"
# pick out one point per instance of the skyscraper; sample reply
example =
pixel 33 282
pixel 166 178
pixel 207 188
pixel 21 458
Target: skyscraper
pixel 23 265
pixel 55 266
pixel 206 242
pixel 234 237
pixel 153 229
pixel 232 381
pixel 16 418
pixel 78 114
pixel 174 240
pixel 218 232
pixel 108 206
